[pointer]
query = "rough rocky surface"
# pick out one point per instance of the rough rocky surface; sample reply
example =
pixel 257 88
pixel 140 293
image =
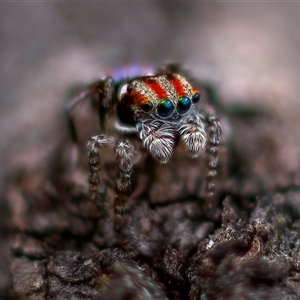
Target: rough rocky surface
pixel 244 245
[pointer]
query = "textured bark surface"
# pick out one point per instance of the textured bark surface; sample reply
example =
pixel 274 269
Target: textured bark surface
pixel 174 244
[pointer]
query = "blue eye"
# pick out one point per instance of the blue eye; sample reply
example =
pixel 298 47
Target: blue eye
pixel 165 108
pixel 196 98
pixel 183 105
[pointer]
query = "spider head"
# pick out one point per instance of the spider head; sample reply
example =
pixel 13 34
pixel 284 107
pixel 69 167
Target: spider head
pixel 158 105
pixel 164 98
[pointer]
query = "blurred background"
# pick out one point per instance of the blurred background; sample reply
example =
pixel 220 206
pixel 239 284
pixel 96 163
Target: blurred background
pixel 249 50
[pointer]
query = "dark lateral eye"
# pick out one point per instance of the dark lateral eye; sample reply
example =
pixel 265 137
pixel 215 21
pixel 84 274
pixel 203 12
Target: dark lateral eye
pixel 165 108
pixel 183 105
pixel 146 107
pixel 196 98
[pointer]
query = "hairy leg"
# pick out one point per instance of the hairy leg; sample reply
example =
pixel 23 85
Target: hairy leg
pixel 125 153
pixel 214 137
pixel 101 94
pixel 192 134
pixel 95 146
pixel 158 138
pixel 126 157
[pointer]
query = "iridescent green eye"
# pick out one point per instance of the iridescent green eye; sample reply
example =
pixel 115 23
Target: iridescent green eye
pixel 183 105
pixel 196 98
pixel 165 108
pixel 146 107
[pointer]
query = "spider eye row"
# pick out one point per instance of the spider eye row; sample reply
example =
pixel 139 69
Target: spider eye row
pixel 165 108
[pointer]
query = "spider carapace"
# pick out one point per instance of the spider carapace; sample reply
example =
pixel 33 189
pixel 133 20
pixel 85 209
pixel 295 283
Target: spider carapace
pixel 162 111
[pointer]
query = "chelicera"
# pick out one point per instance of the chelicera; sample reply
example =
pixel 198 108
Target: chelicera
pixel 161 110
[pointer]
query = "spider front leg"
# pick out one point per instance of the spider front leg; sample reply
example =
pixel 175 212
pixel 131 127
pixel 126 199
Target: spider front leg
pixel 158 138
pixel 197 136
pixel 192 134
pixel 126 157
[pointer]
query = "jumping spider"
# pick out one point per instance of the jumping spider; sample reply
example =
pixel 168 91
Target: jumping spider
pixel 161 111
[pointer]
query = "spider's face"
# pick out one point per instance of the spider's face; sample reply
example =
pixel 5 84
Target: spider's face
pixel 161 107
pixel 159 97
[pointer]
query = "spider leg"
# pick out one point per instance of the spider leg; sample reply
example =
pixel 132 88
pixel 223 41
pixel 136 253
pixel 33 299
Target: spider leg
pixel 214 137
pixel 158 138
pixel 95 146
pixel 170 68
pixel 126 157
pixel 101 94
pixel 192 134
pixel 125 154
pixel 197 136
pixel 106 101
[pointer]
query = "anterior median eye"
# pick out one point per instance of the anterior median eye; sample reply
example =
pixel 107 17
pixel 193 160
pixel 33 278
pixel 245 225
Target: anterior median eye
pixel 183 105
pixel 165 108
pixel 146 107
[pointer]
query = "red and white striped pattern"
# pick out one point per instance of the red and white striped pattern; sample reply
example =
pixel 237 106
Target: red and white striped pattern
pixel 159 87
